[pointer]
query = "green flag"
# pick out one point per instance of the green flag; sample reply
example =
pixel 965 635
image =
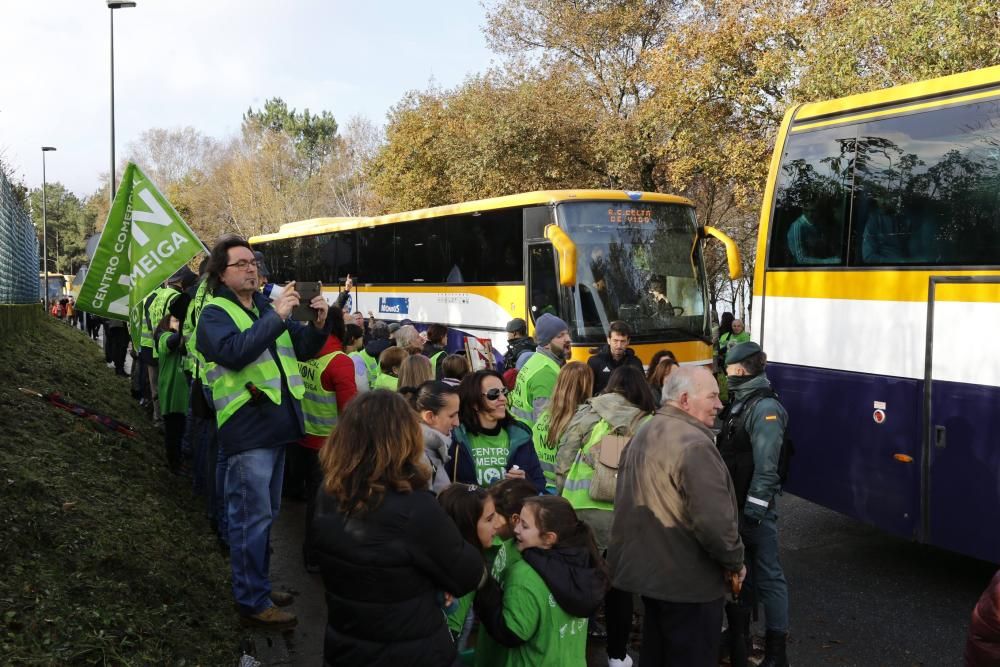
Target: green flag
pixel 143 243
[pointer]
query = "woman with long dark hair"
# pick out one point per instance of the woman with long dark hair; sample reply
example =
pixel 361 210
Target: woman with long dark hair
pixel 386 548
pixel 490 444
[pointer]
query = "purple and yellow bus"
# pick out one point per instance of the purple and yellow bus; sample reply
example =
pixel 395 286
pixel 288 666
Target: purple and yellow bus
pixel 877 299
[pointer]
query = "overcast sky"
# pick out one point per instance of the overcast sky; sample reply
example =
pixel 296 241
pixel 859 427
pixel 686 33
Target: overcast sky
pixel 203 63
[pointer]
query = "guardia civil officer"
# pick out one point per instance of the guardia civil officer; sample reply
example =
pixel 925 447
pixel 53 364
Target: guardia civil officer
pixel 751 440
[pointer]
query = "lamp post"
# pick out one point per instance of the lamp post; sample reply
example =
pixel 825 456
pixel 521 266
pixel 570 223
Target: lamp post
pixel 112 6
pixel 45 235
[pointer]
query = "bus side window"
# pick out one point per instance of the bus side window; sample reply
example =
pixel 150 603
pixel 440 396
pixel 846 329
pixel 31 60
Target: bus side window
pixel 812 200
pixel 542 280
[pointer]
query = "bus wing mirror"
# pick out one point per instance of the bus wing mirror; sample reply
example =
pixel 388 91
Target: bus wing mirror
pixel 566 250
pixel 732 252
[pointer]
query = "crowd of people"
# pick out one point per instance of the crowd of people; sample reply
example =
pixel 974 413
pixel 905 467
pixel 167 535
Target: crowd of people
pixel 487 515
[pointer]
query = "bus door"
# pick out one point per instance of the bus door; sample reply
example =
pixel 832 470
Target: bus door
pixel 961 457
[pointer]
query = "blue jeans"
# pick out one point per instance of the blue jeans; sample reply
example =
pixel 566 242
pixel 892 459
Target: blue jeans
pixel 764 570
pixel 253 497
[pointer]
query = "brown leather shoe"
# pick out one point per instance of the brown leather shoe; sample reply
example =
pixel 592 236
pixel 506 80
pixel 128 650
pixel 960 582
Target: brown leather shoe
pixel 273 618
pixel 282 598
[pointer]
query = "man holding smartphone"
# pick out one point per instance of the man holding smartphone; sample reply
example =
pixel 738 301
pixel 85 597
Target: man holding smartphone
pixel 252 347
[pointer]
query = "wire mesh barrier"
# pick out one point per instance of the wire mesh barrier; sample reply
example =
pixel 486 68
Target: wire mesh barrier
pixel 18 250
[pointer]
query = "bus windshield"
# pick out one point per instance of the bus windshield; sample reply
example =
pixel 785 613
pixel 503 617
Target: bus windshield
pixel 637 262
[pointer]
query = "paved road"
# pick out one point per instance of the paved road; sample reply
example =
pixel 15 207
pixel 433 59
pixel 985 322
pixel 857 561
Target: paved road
pixel 858 597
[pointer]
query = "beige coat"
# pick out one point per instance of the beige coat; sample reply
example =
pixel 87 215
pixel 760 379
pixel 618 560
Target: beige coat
pixel 675 533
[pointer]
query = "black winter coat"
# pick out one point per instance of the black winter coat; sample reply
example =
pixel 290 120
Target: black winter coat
pixel 604 365
pixel 384 573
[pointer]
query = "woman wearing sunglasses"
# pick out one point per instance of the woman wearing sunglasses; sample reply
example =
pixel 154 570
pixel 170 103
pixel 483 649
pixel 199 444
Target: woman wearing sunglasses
pixel 490 445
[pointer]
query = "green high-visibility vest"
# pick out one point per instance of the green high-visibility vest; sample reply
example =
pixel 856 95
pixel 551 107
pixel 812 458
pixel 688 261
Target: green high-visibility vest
pixel 319 405
pixel 522 402
pixel 546 454
pixel 386 381
pixel 371 364
pixel 195 362
pixel 577 486
pixel 434 363
pixel 146 325
pixel 164 295
pixel 229 386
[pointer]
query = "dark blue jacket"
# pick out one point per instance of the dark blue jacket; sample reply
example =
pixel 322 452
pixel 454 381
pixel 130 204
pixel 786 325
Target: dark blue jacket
pixel 258 423
pixel 522 454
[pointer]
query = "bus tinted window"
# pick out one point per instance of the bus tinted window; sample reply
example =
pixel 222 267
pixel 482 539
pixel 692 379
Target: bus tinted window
pixel 927 188
pixel 420 253
pixel 375 254
pixel 279 256
pixel 486 248
pixel 812 199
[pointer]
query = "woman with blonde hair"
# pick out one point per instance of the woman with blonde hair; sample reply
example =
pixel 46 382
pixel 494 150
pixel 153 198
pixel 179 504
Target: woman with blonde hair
pixel 574 385
pixel 414 371
pixel 386 548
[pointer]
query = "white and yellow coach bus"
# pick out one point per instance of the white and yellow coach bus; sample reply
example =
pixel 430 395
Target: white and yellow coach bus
pixel 877 299
pixel 589 256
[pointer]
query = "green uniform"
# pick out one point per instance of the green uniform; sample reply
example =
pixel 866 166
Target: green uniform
pixel 727 340
pixel 171 382
pixel 457 616
pixel 766 423
pixel 552 637
pixel 502 557
pixel 386 381
pixel 534 386
pixel 546 454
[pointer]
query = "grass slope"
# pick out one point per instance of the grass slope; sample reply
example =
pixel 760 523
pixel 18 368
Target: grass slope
pixel 106 557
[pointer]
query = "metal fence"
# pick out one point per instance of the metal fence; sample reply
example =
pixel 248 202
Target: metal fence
pixel 18 250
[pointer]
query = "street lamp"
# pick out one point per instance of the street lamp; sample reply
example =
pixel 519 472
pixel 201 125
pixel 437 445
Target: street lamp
pixel 112 6
pixel 45 236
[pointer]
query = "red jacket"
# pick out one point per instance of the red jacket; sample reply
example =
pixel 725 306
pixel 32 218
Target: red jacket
pixel 982 648
pixel 338 376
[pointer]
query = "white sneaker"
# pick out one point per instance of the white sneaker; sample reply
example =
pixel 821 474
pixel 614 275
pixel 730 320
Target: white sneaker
pixel 615 662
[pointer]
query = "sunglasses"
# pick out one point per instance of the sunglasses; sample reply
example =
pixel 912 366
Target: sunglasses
pixel 494 394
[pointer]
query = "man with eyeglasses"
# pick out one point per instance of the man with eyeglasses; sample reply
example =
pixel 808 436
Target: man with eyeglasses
pixel 252 347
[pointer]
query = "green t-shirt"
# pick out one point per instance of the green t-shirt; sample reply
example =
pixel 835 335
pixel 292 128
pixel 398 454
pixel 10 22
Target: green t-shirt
pixel 502 556
pixel 457 616
pixel 553 637
pixel 489 453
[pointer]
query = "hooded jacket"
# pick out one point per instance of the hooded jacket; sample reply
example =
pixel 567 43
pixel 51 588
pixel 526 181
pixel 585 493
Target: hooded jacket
pixel 576 582
pixel 603 365
pixel 436 446
pixel 522 454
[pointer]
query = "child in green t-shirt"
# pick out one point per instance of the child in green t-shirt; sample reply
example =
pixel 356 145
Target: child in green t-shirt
pixel 540 615
pixel 473 511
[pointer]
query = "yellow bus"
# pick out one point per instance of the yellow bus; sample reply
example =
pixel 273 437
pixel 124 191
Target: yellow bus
pixel 876 294
pixel 589 256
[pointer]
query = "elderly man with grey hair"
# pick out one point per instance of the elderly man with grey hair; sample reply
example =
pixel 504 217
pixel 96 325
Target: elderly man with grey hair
pixel 675 538
pixel 408 338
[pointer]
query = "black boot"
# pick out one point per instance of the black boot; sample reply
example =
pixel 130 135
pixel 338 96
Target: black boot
pixel 774 650
pixel 737 637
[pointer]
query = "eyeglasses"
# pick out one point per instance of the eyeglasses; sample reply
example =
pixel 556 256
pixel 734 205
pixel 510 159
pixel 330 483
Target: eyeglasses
pixel 494 393
pixel 244 264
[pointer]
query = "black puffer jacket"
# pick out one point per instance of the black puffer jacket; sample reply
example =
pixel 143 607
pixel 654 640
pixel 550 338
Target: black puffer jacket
pixel 384 572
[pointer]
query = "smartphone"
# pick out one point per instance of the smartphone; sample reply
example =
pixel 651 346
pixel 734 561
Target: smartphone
pixel 307 290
